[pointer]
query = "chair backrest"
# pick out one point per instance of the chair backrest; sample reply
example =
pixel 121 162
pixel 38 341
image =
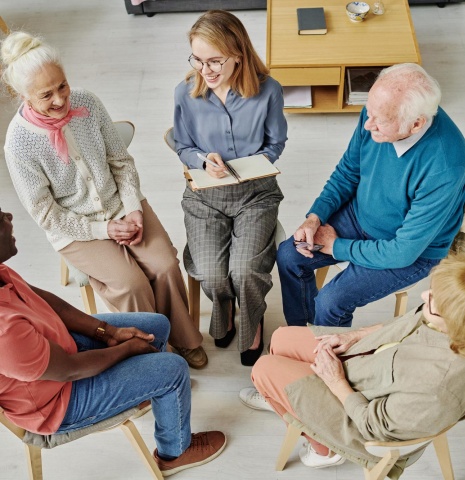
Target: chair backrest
pixel 4 27
pixel 169 139
pixel 126 131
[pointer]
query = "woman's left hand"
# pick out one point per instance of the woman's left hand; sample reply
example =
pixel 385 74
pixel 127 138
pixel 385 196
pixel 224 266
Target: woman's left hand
pixel 135 218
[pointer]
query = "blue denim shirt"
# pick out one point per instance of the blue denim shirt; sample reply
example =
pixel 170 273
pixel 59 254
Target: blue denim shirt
pixel 240 128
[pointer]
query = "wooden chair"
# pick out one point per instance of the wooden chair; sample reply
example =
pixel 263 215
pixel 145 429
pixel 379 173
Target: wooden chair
pixel 193 285
pixel 126 131
pixel 4 27
pixel 388 452
pixel 34 443
pixel 401 295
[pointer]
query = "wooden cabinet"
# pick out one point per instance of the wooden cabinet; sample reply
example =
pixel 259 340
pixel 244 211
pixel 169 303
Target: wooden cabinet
pixel 321 60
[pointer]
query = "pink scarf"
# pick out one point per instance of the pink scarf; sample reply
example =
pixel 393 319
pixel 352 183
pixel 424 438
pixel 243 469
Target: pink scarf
pixel 54 126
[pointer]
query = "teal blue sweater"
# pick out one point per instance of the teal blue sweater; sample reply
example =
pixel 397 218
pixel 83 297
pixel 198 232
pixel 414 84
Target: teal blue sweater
pixel 412 205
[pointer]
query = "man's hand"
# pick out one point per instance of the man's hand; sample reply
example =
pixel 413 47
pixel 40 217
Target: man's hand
pixel 306 233
pixel 218 172
pixel 115 336
pixel 326 235
pixel 140 347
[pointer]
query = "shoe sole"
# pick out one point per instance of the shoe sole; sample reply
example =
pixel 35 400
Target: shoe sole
pixel 339 462
pixel 255 408
pixel 198 367
pixel 167 473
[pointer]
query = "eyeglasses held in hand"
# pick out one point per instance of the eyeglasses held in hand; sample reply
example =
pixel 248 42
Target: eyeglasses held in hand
pixel 213 65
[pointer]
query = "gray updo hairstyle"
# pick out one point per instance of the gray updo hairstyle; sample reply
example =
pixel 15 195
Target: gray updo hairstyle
pixel 22 56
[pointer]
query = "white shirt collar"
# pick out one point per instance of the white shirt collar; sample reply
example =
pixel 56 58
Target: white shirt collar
pixel 402 146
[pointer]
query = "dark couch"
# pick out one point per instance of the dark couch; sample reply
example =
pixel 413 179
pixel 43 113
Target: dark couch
pixel 151 7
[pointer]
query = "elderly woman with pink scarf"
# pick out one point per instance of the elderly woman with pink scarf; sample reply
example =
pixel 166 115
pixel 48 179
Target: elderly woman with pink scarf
pixel 74 176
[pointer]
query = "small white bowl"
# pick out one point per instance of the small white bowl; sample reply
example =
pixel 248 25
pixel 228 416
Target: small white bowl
pixel 357 11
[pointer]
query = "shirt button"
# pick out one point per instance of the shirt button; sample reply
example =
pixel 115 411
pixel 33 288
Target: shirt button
pixel 96 199
pixel 78 158
pixel 228 131
pixel 230 149
pixel 89 179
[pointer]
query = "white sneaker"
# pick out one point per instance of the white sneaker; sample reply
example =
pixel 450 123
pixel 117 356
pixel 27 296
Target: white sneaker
pixel 312 459
pixel 252 398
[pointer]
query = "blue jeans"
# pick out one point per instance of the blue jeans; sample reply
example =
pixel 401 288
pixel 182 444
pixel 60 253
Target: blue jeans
pixel 161 377
pixel 354 287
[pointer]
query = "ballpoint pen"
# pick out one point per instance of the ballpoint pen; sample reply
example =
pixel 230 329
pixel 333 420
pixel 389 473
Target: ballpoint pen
pixel 205 159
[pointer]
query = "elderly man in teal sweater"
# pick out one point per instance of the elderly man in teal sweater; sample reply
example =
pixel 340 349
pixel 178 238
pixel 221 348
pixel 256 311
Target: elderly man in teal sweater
pixel 391 207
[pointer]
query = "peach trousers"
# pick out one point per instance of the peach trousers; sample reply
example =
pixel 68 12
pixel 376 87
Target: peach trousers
pixel 291 352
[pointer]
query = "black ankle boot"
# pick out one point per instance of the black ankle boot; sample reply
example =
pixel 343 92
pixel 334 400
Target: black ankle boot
pixel 230 334
pixel 249 357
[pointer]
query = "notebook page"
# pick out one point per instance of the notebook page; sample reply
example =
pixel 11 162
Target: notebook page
pixel 203 180
pixel 256 166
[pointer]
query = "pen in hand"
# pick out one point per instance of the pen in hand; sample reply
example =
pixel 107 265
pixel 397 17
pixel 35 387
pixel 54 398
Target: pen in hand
pixel 205 159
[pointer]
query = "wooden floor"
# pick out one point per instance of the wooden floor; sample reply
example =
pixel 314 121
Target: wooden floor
pixel 133 64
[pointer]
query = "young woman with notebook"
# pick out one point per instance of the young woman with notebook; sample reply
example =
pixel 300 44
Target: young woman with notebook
pixel 229 107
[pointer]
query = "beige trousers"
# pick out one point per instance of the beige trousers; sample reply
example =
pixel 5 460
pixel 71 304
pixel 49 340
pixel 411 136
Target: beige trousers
pixel 291 352
pixel 141 278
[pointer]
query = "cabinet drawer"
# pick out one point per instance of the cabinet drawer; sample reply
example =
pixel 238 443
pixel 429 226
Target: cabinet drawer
pixel 307 76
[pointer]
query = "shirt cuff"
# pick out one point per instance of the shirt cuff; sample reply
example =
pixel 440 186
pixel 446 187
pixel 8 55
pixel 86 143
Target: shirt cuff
pixel 131 204
pixel 321 210
pixel 354 402
pixel 100 230
pixel 341 249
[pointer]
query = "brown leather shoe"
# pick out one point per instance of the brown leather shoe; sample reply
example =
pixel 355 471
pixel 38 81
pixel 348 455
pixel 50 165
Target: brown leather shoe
pixel 196 357
pixel 204 447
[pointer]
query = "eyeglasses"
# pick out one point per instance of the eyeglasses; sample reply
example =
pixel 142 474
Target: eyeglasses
pixel 213 65
pixel 429 305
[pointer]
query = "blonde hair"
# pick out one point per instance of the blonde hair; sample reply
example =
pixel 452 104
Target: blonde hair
pixel 22 56
pixel 448 286
pixel 224 31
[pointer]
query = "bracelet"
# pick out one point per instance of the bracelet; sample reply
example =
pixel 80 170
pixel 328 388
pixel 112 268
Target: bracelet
pixel 100 330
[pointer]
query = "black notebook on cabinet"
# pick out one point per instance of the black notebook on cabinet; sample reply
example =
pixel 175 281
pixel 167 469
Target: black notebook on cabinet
pixel 311 21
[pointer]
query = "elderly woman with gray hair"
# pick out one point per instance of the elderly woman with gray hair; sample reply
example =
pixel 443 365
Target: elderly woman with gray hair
pixel 401 380
pixel 76 179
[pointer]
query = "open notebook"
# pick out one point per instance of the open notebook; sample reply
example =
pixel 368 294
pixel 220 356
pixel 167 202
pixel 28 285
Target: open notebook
pixel 239 170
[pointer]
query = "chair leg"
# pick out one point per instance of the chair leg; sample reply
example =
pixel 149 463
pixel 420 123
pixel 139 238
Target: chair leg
pixel 193 287
pixel 382 468
pixel 138 443
pixel 64 272
pixel 292 435
pixel 442 451
pixel 88 297
pixel 401 303
pixel 34 462
pixel 320 275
